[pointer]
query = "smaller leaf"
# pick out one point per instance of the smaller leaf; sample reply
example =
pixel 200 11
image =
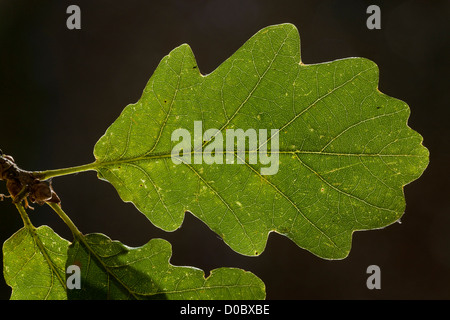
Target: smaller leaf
pixel 111 270
pixel 33 264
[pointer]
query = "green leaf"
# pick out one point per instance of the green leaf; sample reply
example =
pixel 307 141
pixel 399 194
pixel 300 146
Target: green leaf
pixel 111 270
pixel 34 264
pixel 345 150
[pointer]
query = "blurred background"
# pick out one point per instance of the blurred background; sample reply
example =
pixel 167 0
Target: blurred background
pixel 60 89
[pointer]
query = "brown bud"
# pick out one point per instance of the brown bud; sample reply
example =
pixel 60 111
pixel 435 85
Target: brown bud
pixel 14 186
pixel 40 192
pixel 6 163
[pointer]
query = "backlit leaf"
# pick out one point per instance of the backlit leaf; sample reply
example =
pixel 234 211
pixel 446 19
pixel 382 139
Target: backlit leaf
pixel 111 270
pixel 34 272
pixel 345 150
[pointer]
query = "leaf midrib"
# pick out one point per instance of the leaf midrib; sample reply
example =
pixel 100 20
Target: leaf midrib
pixel 168 154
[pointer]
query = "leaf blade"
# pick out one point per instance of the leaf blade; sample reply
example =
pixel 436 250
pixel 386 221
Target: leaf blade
pixel 32 274
pixel 345 152
pixel 111 270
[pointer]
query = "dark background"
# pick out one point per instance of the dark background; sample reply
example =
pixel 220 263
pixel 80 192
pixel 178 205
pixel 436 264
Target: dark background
pixel 60 89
